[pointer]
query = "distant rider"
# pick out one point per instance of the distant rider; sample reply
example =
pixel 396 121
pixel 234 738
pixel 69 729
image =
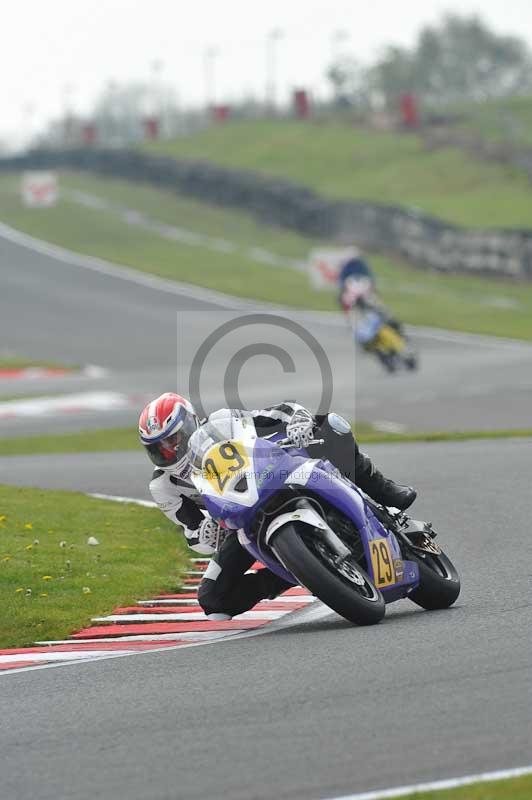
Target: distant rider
pixel 165 428
pixel 356 281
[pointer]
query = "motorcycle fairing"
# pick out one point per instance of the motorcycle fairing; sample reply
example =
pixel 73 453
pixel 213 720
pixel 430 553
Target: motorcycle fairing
pixel 340 492
pixel 368 327
pixel 266 469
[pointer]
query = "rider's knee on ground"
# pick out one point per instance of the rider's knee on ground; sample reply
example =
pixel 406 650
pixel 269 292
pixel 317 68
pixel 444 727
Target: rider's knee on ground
pixel 210 599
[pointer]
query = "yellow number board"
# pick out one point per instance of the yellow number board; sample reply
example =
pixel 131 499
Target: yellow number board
pixel 222 461
pixel 382 563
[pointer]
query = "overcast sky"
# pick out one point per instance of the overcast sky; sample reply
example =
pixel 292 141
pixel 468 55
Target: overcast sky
pixel 55 52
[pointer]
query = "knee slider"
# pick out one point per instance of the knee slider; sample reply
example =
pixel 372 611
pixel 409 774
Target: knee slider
pixel 209 598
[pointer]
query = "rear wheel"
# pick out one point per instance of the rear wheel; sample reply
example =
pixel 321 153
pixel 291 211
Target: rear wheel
pixel 439 583
pixel 339 582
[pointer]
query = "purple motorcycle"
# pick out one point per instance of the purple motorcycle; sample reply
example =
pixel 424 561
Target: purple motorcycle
pixel 311 526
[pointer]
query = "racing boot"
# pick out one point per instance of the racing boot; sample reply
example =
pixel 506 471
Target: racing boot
pixel 381 489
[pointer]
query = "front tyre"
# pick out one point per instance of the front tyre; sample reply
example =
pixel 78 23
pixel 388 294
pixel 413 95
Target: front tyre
pixel 439 583
pixel 344 587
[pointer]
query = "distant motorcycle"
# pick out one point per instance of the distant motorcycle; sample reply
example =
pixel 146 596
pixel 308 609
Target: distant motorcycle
pixel 374 329
pixel 311 526
pixel 376 334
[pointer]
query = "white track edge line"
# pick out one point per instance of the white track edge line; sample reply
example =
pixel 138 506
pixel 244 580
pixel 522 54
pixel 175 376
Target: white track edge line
pixel 284 622
pixel 436 786
pixel 158 283
pixel 118 499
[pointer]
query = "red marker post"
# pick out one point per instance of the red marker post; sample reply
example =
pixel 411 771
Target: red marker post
pixel 301 103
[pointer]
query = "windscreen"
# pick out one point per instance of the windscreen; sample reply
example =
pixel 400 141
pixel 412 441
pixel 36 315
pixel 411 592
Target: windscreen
pixel 218 428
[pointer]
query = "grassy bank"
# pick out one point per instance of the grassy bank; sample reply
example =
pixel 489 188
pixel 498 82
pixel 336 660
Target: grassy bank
pixel 460 303
pixel 344 161
pixel 504 120
pixel 118 439
pixel 52 582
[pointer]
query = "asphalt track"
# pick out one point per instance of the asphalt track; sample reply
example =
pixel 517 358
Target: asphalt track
pixel 321 708
pixel 147 332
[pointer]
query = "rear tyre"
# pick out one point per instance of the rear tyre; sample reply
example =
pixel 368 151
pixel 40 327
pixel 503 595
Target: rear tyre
pixel 439 583
pixel 347 589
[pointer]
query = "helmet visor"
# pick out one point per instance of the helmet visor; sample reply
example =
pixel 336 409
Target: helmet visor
pixel 178 441
pixel 172 448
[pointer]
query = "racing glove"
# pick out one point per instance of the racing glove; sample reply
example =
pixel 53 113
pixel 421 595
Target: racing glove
pixel 210 536
pixel 300 429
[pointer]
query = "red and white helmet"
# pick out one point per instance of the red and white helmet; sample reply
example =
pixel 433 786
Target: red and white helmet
pixel 165 427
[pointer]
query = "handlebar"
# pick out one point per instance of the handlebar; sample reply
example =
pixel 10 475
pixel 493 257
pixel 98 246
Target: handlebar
pixel 289 442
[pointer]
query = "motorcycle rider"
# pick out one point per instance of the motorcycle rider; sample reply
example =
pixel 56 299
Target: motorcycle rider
pixel 356 281
pixel 358 290
pixel 166 425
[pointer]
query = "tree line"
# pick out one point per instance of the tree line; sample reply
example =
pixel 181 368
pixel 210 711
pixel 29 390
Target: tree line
pixel 457 59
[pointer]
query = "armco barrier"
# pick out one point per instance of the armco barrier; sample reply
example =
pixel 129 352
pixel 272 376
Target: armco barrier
pixel 421 239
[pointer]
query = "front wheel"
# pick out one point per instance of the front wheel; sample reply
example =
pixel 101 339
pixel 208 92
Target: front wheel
pixel 339 583
pixel 439 583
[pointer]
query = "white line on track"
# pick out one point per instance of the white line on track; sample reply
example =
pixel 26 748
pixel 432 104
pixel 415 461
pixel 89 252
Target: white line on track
pixel 312 613
pixel 118 499
pixel 74 655
pixel 289 600
pixel 193 616
pixel 227 301
pixel 436 786
pixel 148 637
pixel 279 619
pixel 52 405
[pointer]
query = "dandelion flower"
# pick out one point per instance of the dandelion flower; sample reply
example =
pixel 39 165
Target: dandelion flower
pixel 43 594
pixel 29 547
pixel 29 526
pixel 86 590
pixel 6 558
pixel 20 589
pixel 47 578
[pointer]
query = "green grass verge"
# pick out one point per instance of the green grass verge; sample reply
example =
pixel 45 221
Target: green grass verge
pixel 183 212
pixel 100 440
pixel 505 120
pixel 512 789
pixel 344 161
pixel 52 582
pixel 7 398
pixel 376 437
pixel 102 234
pixel 476 305
pixel 20 362
pixel 118 439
